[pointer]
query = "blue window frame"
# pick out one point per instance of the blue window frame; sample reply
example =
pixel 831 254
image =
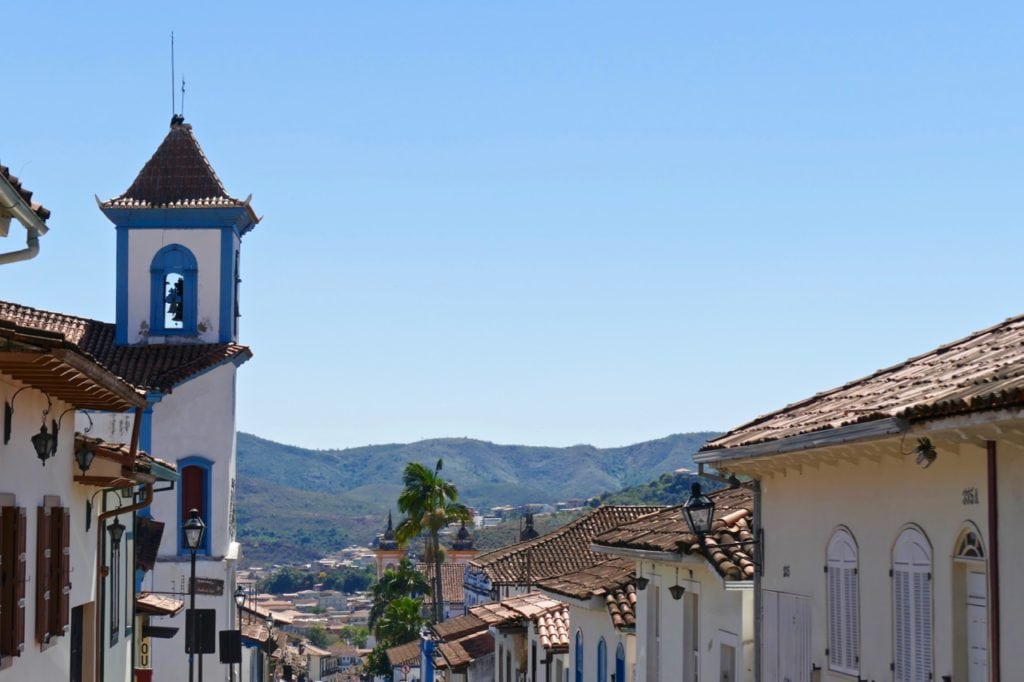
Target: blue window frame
pixel 194 493
pixel 174 295
pixel 620 663
pixel 579 656
pixel 602 661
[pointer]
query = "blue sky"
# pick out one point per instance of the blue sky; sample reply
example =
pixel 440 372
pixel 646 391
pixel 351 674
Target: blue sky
pixel 547 223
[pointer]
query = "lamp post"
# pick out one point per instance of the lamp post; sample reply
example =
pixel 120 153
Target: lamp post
pixel 270 637
pixel 193 529
pixel 239 602
pixel 700 512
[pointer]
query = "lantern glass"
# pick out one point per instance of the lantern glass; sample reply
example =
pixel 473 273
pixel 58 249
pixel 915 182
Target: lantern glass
pixel 699 511
pixel 83 456
pixel 116 530
pixel 194 528
pixel 240 596
pixel 42 442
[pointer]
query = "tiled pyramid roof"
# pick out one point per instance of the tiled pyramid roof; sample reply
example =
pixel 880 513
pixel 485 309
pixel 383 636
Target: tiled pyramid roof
pixel 157 367
pixel 667 531
pixel 560 551
pixel 979 372
pixel 177 176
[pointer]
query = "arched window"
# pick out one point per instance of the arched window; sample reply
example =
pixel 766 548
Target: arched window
pixel 620 663
pixel 173 291
pixel 969 545
pixel 843 604
pixel 194 493
pixel 602 661
pixel 579 656
pixel 912 607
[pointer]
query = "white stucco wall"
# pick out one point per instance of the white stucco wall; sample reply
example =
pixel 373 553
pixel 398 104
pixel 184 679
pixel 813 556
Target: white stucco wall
pixel 722 617
pixel 143 245
pixel 596 623
pixel 28 482
pixel 197 419
pixel 876 492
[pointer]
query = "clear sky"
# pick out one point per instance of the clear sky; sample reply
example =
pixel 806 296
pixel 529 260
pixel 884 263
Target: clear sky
pixel 544 222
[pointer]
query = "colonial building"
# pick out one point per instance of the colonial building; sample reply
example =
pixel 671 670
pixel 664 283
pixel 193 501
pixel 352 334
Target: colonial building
pixel 890 503
pixel 694 607
pixel 515 569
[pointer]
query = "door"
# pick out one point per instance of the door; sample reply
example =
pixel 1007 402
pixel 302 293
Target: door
pixel 977 627
pixel 691 637
pixel 76 644
pixel 786 628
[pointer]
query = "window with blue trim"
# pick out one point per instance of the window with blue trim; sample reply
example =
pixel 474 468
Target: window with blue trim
pixel 602 661
pixel 194 493
pixel 173 291
pixel 579 656
pixel 620 663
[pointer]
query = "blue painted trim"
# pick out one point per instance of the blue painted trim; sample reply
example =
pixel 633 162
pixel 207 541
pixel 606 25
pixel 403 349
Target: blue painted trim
pixel 239 218
pixel 620 662
pixel 227 286
pixel 173 258
pixel 207 466
pixel 121 310
pixel 146 426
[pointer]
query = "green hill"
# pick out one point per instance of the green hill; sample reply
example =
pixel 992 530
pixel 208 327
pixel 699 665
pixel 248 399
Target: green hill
pixel 295 504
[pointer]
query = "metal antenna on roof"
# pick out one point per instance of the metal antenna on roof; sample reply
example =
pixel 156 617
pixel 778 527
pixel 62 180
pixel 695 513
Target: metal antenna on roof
pixel 183 95
pixel 174 104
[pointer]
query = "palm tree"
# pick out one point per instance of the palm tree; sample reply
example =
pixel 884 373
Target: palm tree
pixel 401 621
pixel 403 581
pixel 429 503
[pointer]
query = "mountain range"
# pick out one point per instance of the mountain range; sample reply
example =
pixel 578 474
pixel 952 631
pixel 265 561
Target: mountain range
pixel 296 504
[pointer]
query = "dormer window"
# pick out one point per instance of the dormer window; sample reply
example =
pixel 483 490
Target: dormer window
pixel 174 295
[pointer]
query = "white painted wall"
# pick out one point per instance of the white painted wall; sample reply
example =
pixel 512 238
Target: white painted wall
pixel 142 246
pixel 721 613
pixel 595 623
pixel 197 419
pixel 23 477
pixel 875 496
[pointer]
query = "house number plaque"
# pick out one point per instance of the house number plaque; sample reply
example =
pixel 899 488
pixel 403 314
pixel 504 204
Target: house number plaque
pixel 970 496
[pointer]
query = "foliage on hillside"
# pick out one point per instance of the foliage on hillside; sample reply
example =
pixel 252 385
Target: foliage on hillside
pixel 291 579
pixel 667 489
pixel 295 505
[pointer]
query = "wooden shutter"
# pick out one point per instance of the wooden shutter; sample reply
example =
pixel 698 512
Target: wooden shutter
pixel 64 604
pixel 43 559
pixel 20 576
pixel 912 606
pixel 843 604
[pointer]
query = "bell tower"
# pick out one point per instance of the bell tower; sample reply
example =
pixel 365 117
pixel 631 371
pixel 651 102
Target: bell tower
pixel 388 553
pixel 179 236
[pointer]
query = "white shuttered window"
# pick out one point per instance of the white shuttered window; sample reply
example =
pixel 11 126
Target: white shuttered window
pixel 912 607
pixel 843 604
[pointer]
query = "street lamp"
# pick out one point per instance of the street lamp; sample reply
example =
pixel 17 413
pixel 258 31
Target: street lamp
pixel 699 511
pixel 239 602
pixel 193 529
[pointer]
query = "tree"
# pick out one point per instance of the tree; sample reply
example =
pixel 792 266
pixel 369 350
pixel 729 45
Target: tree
pixel 318 636
pixel 429 503
pixel 401 621
pixel 395 583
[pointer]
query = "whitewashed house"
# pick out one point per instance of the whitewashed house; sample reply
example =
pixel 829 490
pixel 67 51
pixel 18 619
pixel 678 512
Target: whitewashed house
pixel 890 504
pixel 602 613
pixel 694 609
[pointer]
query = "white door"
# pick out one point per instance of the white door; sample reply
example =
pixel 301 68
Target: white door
pixel 786 626
pixel 977 627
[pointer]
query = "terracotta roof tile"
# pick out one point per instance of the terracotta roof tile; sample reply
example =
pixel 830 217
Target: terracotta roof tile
pixel 157 367
pixel 405 654
pixel 979 372
pixel 451 581
pixel 667 531
pixel 177 176
pixel 15 183
pixel 560 551
pixel 550 616
pixel 458 654
pixel 460 626
pixel 158 604
pixel 612 578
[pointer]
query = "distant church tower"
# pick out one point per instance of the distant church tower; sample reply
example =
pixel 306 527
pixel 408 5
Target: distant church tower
pixel 179 236
pixel 388 553
pixel 462 549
